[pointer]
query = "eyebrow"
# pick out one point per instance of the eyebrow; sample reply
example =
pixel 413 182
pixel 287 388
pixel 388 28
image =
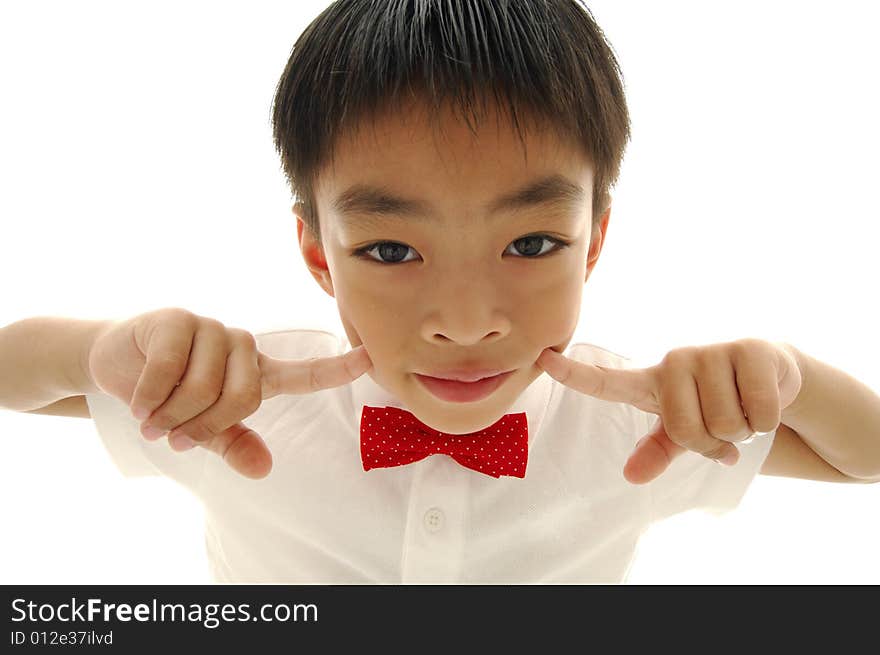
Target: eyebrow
pixel 379 203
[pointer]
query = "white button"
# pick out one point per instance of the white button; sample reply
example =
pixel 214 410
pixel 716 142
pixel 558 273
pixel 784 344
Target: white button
pixel 434 519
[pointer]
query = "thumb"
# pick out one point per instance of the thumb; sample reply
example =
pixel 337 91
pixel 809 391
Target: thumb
pixel 652 455
pixel 243 450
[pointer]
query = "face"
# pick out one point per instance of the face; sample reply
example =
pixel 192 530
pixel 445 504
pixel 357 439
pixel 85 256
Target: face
pixel 441 281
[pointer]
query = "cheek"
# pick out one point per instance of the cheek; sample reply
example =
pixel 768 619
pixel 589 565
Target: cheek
pixel 378 324
pixel 550 315
pixel 376 304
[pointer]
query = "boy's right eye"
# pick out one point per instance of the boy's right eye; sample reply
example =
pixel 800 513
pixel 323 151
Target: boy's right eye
pixel 388 250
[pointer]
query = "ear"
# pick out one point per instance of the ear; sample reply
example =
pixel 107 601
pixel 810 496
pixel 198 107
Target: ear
pixel 313 254
pixel 597 240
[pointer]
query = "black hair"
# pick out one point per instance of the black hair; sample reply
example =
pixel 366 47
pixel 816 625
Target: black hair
pixel 545 59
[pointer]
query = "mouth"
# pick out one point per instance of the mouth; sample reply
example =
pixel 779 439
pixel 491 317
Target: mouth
pixel 456 391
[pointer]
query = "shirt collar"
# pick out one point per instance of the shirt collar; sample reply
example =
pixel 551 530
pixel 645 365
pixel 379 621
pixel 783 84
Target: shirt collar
pixel 534 400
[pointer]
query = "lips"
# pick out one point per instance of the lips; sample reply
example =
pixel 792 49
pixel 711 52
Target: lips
pixel 466 375
pixel 463 392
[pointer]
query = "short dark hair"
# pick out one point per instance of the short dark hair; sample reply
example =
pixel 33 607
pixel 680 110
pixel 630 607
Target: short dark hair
pixel 546 59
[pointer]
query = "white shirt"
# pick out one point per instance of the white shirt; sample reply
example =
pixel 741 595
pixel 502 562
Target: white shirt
pixel 319 518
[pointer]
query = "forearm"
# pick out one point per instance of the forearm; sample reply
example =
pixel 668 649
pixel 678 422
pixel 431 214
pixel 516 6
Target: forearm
pixel 44 359
pixel 838 417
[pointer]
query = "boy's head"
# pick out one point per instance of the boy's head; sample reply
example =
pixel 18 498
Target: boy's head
pixel 413 133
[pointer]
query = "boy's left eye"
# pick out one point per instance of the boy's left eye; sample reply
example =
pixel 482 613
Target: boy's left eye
pixel 529 247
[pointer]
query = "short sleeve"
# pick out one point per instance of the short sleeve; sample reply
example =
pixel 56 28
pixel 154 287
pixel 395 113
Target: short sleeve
pixel 133 455
pixel 693 481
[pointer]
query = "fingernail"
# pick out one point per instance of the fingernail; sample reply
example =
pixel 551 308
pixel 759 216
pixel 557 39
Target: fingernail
pixel 140 413
pixel 152 432
pixel 181 442
pixel 729 459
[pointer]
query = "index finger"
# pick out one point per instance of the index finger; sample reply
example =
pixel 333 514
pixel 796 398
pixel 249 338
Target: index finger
pixel 298 376
pixel 632 386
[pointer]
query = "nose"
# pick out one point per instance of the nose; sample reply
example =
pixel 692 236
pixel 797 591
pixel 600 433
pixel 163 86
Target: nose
pixel 465 310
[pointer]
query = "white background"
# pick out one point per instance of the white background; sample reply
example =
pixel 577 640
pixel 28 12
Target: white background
pixel 138 172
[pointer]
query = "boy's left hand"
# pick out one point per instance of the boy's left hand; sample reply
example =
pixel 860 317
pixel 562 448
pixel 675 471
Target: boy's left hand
pixel 706 397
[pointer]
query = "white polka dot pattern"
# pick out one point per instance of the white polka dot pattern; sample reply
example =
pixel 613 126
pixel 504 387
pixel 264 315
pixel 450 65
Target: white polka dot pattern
pixel 391 436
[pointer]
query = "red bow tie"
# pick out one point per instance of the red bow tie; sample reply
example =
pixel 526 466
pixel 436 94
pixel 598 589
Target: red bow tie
pixel 391 436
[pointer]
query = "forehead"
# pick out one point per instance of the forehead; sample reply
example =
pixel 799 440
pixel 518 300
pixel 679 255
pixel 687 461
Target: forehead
pixel 444 161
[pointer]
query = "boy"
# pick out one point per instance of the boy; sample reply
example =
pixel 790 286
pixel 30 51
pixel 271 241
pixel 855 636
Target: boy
pixel 447 245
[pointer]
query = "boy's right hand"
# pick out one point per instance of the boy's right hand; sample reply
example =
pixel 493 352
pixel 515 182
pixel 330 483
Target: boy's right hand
pixel 191 374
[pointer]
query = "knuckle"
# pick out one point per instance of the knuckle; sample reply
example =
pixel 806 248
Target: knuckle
pixel 206 323
pixel 171 362
pixel 741 346
pixel 212 322
pixel 705 356
pixel 177 314
pixel 205 387
pixel 253 392
pixel 203 396
pixel 758 398
pixel 245 402
pixel 243 338
pixel 682 426
pixel 706 363
pixel 679 356
pixel 724 426
pixel 669 358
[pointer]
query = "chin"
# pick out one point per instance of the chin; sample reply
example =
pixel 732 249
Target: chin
pixel 461 424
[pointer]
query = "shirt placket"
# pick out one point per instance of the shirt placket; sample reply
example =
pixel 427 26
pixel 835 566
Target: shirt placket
pixel 434 535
